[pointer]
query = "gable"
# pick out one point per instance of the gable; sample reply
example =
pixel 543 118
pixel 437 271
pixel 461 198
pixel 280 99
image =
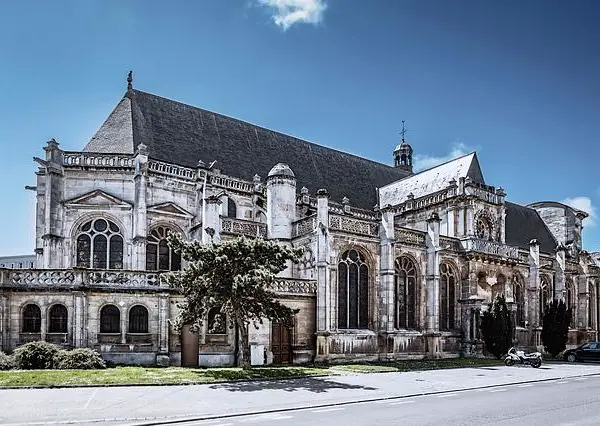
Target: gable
pixel 431 180
pixel 97 198
pixel 170 209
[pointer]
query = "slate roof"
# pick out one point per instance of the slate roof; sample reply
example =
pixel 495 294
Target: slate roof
pixel 431 180
pixel 182 134
pixel 522 224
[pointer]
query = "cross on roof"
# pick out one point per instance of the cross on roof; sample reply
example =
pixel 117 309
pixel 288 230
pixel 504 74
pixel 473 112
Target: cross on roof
pixel 403 131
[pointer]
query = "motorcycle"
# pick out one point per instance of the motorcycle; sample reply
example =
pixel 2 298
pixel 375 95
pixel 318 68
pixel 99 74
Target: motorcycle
pixel 514 356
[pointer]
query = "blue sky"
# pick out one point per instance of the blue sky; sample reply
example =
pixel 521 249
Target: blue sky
pixel 515 80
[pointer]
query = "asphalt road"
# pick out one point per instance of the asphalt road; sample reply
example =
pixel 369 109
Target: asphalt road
pixel 460 396
pixel 560 402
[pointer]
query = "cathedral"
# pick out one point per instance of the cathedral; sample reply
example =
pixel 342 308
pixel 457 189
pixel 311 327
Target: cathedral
pixel 396 264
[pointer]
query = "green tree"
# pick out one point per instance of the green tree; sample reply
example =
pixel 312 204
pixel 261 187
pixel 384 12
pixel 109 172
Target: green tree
pixel 496 328
pixel 236 277
pixel 555 327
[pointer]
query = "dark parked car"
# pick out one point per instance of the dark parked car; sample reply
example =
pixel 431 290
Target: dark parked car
pixel 587 352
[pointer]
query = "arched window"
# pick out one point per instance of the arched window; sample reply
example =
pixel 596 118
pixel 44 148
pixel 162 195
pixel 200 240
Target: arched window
pixel 217 321
pixel 483 228
pixel 58 319
pixel 110 319
pixel 353 291
pixel 406 293
pixel 447 296
pixel 519 300
pixel 570 299
pixel 159 256
pixel 545 296
pixel 138 319
pixel 231 208
pixel 32 319
pixel 100 245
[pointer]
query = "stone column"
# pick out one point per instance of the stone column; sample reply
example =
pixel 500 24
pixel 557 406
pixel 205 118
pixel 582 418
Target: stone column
pixel 559 291
pixel 162 358
pixel 533 294
pixel 4 318
pixel 387 271
pixel 432 285
pixel 79 319
pixel 323 276
pixel 212 225
pixel 140 208
pixel 52 236
pixel 583 299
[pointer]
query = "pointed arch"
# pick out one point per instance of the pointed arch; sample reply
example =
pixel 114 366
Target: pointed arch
pixel 570 298
pixel 545 295
pixel 159 256
pixel 519 299
pixel 407 297
pixel 353 290
pixel 447 302
pixel 99 244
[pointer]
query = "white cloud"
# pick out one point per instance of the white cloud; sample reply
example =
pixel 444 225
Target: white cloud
pixel 585 204
pixel 422 162
pixel 289 12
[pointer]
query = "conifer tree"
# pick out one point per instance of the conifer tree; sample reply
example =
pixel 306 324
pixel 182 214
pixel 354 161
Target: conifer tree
pixel 555 327
pixel 235 276
pixel 496 328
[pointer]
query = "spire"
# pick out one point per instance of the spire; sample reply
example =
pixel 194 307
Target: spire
pixel 403 131
pixel 130 80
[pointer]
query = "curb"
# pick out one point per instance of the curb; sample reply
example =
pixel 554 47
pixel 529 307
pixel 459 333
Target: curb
pixel 156 422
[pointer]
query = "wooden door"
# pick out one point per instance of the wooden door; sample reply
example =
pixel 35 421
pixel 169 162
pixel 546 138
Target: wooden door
pixel 189 347
pixel 281 344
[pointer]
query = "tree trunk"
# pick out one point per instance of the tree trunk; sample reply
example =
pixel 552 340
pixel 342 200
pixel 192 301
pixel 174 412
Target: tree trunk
pixel 243 351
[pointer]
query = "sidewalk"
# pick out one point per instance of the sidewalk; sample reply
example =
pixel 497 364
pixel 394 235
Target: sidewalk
pixel 134 404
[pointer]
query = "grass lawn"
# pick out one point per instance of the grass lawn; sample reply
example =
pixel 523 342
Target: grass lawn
pixel 178 375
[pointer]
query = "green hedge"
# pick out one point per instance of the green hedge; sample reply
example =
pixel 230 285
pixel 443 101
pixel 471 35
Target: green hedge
pixel 78 359
pixel 7 362
pixel 46 356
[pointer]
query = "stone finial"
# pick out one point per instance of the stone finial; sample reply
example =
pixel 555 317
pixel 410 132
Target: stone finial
pixel 452 182
pixel 345 200
pixel 434 217
pixel 561 247
pixel 500 192
pixel 410 196
pixel 534 242
pixel 322 193
pixel 256 178
pixel 201 164
pixel 304 190
pixel 130 80
pixel 142 149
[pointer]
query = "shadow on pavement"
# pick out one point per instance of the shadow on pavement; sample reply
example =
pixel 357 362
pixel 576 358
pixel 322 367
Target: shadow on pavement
pixel 309 384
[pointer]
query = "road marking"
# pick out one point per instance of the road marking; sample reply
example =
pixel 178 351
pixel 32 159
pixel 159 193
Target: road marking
pixel 325 410
pixel 87 404
pixel 580 378
pixel 562 382
pixel 264 417
pixel 525 386
pixel 401 402
pixel 447 395
pixel 498 390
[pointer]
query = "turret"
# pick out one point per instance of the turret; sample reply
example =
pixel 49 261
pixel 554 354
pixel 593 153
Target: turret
pixel 403 154
pixel 281 202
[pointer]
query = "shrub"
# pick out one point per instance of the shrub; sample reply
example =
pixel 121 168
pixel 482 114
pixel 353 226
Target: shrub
pixel 496 328
pixel 7 362
pixel 555 327
pixel 35 356
pixel 78 359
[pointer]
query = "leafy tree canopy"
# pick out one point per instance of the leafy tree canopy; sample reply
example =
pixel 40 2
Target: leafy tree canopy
pixel 496 328
pixel 555 327
pixel 235 276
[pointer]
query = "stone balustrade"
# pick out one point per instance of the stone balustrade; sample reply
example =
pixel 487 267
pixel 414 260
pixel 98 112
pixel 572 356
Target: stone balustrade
pixel 490 247
pixel 172 170
pixel 294 286
pixel 85 159
pixel 410 236
pixel 353 226
pixel 483 192
pixel 304 226
pixel 83 279
pixel 244 228
pixel 228 182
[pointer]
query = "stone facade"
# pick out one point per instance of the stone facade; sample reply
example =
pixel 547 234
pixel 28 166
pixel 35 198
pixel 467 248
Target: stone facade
pixel 408 278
